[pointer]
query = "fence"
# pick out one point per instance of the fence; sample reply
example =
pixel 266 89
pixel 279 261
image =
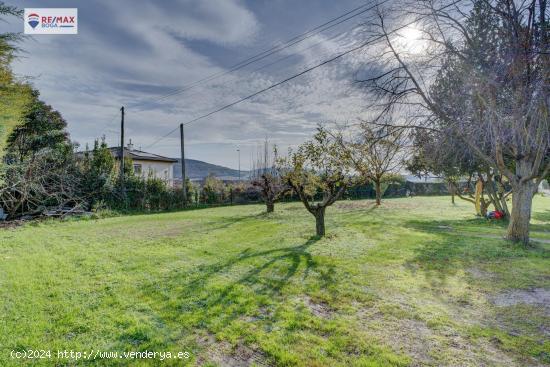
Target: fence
pixel 252 195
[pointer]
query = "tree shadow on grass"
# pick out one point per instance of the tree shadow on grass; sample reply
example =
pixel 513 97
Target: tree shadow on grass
pixel 213 295
pixel 226 222
pixel 456 246
pixel 352 206
pixel 449 252
pixel 543 217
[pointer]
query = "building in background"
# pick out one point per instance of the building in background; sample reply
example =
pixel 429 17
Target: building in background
pixel 148 164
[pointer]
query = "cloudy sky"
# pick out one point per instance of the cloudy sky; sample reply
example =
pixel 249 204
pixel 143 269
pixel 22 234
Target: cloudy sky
pixel 134 52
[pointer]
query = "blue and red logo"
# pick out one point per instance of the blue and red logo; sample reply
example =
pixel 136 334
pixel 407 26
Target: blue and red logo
pixel 33 20
pixel 50 20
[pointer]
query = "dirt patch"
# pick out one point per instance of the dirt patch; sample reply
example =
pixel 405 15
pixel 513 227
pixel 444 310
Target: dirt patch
pixel 240 356
pixel 319 309
pixel 407 336
pixel 355 204
pixel 12 223
pixel 426 346
pixel 419 341
pixel 147 230
pixel 477 273
pixel 262 314
pixel 223 354
pixel 538 297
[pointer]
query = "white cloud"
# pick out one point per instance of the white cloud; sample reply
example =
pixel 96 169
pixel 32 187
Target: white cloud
pixel 90 76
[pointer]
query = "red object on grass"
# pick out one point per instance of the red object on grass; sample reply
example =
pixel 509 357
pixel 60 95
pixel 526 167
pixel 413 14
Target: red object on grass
pixel 499 214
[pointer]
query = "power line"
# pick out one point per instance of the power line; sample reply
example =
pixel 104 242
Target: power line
pixel 262 55
pixel 161 138
pixel 262 91
pixel 373 40
pixel 278 83
pixel 277 60
pixel 275 49
pixel 255 70
pixel 109 123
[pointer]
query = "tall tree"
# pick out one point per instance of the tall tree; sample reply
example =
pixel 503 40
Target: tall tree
pixel 491 91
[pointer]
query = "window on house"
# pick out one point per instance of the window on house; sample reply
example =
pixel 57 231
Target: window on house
pixel 137 169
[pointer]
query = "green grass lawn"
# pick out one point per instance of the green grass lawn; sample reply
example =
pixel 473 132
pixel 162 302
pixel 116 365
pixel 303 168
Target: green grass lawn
pixel 414 282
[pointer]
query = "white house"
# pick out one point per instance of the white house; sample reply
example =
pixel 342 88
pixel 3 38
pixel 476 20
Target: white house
pixel 148 164
pixel 544 188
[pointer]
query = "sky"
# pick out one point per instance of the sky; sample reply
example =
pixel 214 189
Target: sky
pixel 133 52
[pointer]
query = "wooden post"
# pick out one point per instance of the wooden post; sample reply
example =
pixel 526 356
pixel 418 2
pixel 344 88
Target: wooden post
pixel 122 149
pixel 183 178
pixel 239 153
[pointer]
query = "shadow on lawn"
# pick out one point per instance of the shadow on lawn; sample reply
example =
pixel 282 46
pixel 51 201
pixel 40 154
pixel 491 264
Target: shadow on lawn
pixel 226 222
pixel 353 206
pixel 451 250
pixel 543 217
pixel 206 295
pixel 458 245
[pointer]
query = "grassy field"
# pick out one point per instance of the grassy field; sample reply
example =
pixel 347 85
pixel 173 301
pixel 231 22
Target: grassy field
pixel 414 282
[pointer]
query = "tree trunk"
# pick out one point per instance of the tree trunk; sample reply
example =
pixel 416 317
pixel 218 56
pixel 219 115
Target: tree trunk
pixel 504 205
pixel 522 200
pixel 495 196
pixel 479 197
pixel 452 190
pixel 378 189
pixel 270 206
pixel 483 207
pixel 320 221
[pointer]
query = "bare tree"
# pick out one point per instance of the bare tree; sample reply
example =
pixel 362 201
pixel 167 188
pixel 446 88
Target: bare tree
pixel 266 177
pixel 319 166
pixel 376 155
pixel 49 180
pixel 483 78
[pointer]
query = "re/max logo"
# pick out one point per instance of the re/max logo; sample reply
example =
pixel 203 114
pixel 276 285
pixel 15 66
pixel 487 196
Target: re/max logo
pixel 51 20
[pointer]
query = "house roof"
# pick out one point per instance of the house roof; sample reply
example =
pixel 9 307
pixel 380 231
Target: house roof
pixel 425 179
pixel 139 155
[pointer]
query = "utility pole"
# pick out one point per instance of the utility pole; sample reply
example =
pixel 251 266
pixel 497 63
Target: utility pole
pixel 122 149
pixel 239 153
pixel 182 140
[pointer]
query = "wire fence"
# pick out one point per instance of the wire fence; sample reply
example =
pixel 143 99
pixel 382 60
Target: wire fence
pixel 251 195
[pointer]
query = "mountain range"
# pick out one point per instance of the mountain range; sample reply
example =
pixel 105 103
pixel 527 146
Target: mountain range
pixel 198 170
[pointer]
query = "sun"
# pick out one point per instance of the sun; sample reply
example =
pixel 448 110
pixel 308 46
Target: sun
pixel 410 39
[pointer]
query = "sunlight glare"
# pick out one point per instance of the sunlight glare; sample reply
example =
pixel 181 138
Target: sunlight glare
pixel 410 40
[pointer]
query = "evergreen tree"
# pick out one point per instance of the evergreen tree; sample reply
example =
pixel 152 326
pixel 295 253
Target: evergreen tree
pixel 42 128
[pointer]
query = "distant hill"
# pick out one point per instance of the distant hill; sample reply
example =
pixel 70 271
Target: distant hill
pixel 198 170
